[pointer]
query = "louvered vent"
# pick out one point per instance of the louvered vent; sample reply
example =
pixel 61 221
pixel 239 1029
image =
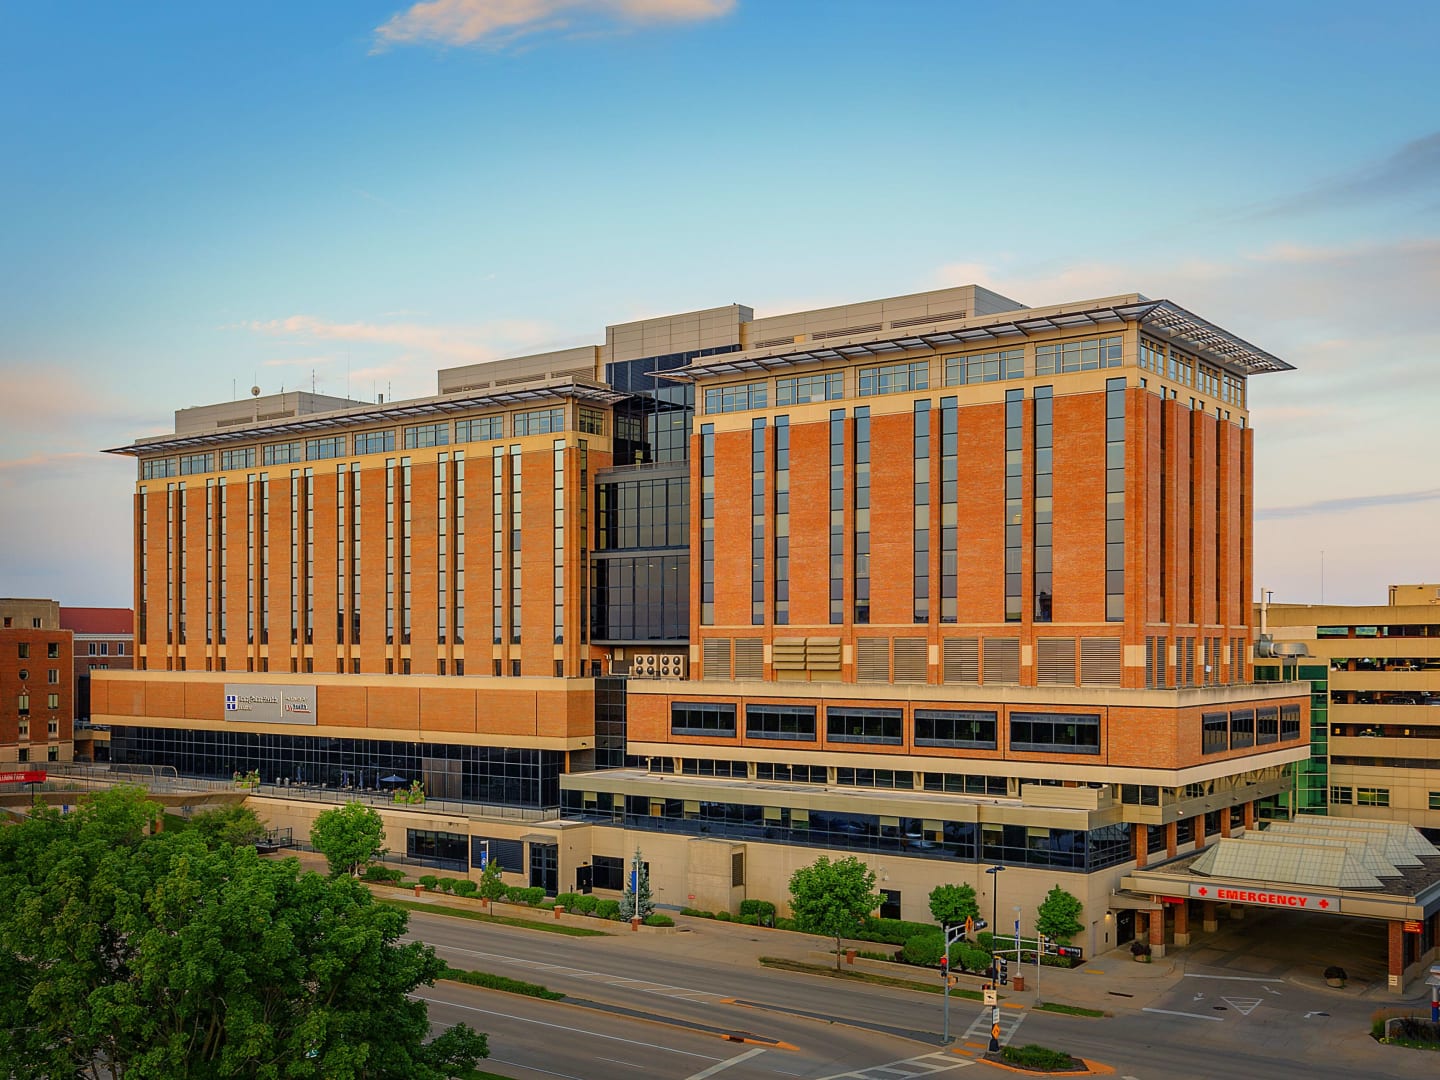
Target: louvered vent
pixel 911 655
pixel 962 660
pixel 716 656
pixel 1189 661
pixel 822 653
pixel 1056 658
pixel 872 659
pixel 773 341
pixel 749 658
pixel 1002 661
pixel 788 654
pixel 1150 660
pixel 1099 661
pixel 921 320
pixel 1162 644
pixel 845 331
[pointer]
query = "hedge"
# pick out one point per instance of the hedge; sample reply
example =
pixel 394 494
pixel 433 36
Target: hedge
pixel 924 949
pixel 466 887
pixel 608 909
pixel 657 919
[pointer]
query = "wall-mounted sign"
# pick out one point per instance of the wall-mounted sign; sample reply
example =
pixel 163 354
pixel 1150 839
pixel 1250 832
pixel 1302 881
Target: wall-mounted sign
pixel 1414 926
pixel 1229 894
pixel 262 703
pixel 25 776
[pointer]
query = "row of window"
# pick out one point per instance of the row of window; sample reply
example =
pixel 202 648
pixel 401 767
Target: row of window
pixel 52 650
pixel 1241 728
pixel 1344 795
pixel 102 648
pixel 22 702
pixel 1072 733
pixel 52 675
pixel 413 437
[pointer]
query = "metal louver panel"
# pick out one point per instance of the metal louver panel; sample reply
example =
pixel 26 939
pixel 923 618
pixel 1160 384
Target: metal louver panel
pixel 749 658
pixel 788 654
pixel 716 656
pixel 962 660
pixel 1056 665
pixel 911 656
pixel 1099 661
pixel 872 659
pixel 822 653
pixel 1002 660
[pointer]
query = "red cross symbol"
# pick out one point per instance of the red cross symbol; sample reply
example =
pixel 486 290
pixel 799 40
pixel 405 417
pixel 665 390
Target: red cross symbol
pixel 1203 891
pixel 1324 903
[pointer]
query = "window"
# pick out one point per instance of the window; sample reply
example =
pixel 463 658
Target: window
pixel 52 701
pixel 592 421
pixel 1056 733
pixel 156 468
pixel 23 754
pixel 1435 800
pixel 894 378
pixel 846 725
pixel 876 778
pixel 23 649
pixel 1341 796
pixel 791 774
pixel 538 422
pixel 281 453
pixel 243 458
pixel 1242 728
pixel 22 703
pixel 609 872
pixel 790 722
pixel 1267 725
pixel 422 435
pixel 52 676
pixel 702 718
pixel 972 730
pixel 1214 733
pixel 480 429
pixel 323 449
pixel 985 367
pixel 799 389
pixel 375 442
pixel 52 650
pixel 1371 796
pixel 434 848
pixel 1289 722
pixel 737 398
pixel 196 463
pixel 1087 355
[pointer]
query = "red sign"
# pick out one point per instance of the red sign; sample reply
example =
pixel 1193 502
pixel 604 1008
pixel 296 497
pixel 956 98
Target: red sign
pixel 1264 898
pixel 27 777
pixel 1170 899
pixel 1414 926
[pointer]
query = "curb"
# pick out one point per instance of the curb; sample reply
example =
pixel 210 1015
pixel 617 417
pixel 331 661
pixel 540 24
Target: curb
pixel 1092 1068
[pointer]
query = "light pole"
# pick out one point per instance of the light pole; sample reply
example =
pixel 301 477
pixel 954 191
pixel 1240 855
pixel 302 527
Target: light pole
pixel 994 872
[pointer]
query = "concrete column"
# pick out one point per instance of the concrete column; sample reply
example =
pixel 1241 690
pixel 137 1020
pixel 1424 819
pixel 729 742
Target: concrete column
pixel 1199 832
pixel 1397 949
pixel 1140 844
pixel 1250 815
pixel 1182 923
pixel 1157 932
pixel 1225 822
pixel 1209 916
pixel 1171 845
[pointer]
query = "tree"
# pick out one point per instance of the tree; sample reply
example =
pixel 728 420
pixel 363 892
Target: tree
pixel 833 899
pixel 492 885
pixel 236 825
pixel 635 902
pixel 153 956
pixel 349 837
pixel 1058 916
pixel 953 904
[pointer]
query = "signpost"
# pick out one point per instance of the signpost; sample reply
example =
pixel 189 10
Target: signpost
pixel 27 776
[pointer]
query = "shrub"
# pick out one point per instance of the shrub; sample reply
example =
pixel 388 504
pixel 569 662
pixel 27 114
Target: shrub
pixel 760 908
pixel 750 920
pixel 870 954
pixel 893 931
pixel 785 924
pixel 723 916
pixel 696 913
pixel 924 949
pixel 1139 948
pixel 585 904
pixel 465 887
pixel 969 957
pixel 500 982
pixel 1039 1058
pixel 533 895
pixel 429 881
pixel 382 874
pixel 447 884
pixel 607 909
pixel 659 920
pixel 568 900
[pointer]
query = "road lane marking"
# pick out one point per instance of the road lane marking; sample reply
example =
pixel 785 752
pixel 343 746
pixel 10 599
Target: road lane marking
pixel 1244 1006
pixel 645 986
pixel 723 1065
pixel 926 1065
pixel 569 1029
pixel 1233 978
pixel 1192 1016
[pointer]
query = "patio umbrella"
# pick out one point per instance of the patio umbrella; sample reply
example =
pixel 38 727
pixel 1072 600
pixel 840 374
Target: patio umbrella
pixel 392 779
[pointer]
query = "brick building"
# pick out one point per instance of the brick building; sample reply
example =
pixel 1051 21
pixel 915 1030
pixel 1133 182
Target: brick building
pixel 36 687
pixel 1004 620
pixel 104 638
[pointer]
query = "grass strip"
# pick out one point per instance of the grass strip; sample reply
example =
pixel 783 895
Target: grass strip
pixel 500 982
pixel 1068 1010
pixel 502 920
pixel 866 977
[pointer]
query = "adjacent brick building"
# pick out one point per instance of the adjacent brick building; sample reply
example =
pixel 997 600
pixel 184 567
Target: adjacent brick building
pixel 36 683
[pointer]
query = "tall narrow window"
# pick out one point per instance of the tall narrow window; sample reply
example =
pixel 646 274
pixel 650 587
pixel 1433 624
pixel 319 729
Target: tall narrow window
pixel 459 550
pixel 837 516
pixel 224 564
pixel 342 576
pixel 782 520
pixel 1164 552
pixel 406 523
pixel 1044 502
pixel 181 587
pixel 516 525
pixel 862 515
pixel 949 510
pixel 355 531
pixel 921 531
pixel 757 521
pixel 584 526
pixel 1014 493
pixel 389 551
pixel 262 583
pixel 1242 517
pixel 169 564
pixel 1115 500
pixel 210 562
pixel 497 544
pixel 142 614
pixel 707 524
pixel 558 568
pixel 442 548
pixel 250 543
pixel 294 556
pixel 309 491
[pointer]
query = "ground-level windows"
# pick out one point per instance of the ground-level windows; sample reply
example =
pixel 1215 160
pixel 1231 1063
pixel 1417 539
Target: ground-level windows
pixel 791 774
pixel 432 848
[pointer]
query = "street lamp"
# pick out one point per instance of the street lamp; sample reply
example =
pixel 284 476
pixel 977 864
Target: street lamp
pixel 994 872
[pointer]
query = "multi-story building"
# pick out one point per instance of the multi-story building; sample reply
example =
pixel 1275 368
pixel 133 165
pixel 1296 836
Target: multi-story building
pixel 36 687
pixel 940 580
pixel 104 638
pixel 1374 671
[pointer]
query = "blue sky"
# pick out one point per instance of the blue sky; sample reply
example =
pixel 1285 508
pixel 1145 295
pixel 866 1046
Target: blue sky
pixel 200 196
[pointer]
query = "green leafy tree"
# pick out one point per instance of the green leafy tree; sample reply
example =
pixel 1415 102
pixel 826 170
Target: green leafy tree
pixel 953 904
pixel 833 898
pixel 635 902
pixel 236 825
pixel 1058 916
pixel 148 957
pixel 492 885
pixel 349 837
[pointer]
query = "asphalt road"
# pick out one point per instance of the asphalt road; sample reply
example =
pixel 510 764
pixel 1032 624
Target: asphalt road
pixel 683 994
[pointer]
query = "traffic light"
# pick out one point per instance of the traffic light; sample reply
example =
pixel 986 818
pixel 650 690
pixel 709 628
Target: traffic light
pixel 1004 970
pixel 944 966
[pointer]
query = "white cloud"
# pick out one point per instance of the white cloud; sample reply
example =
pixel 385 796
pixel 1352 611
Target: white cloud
pixel 499 22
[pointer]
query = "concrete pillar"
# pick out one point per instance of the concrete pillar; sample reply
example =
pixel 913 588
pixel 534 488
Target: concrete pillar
pixel 1170 842
pixel 1209 916
pixel 1182 923
pixel 1157 932
pixel 1199 832
pixel 1140 844
pixel 1225 822
pixel 1397 950
pixel 1250 815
